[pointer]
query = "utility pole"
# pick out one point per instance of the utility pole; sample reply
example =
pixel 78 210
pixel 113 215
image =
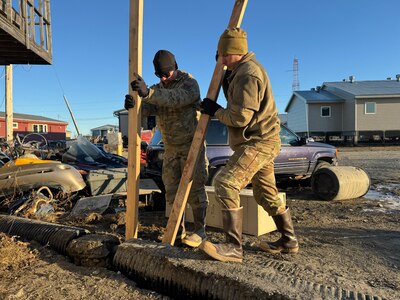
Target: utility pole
pixel 9 105
pixel 72 115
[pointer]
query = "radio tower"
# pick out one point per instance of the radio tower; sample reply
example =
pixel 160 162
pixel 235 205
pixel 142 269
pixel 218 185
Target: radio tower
pixel 295 83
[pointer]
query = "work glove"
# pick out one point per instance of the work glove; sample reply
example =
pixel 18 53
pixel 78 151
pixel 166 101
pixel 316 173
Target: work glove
pixel 129 102
pixel 140 86
pixel 209 107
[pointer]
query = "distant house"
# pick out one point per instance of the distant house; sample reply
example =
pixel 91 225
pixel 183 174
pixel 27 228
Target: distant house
pixel 51 129
pixel 349 111
pixel 122 115
pixel 103 130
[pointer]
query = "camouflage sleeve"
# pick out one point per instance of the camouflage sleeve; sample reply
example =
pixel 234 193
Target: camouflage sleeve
pixel 180 96
pixel 149 109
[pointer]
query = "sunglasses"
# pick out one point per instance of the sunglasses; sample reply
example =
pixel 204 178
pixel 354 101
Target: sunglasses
pixel 165 75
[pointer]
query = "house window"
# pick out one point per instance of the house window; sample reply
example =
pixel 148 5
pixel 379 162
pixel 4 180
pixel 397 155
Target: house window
pixel 39 127
pixel 15 125
pixel 325 111
pixel 370 107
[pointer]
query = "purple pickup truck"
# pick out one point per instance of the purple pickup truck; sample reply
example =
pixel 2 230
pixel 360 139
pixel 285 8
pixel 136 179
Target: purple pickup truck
pixel 298 159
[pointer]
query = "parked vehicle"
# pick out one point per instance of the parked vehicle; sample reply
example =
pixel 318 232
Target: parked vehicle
pixel 298 159
pixel 86 156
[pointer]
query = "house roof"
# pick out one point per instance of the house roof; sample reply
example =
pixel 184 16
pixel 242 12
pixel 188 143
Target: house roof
pixel 367 87
pixel 314 96
pixel 119 112
pixel 105 127
pixel 32 118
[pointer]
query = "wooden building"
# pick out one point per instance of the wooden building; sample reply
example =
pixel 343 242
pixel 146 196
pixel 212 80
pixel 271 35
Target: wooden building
pixel 25 32
pixel 51 129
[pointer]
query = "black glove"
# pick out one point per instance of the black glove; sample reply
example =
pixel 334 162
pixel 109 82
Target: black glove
pixel 129 102
pixel 209 107
pixel 140 86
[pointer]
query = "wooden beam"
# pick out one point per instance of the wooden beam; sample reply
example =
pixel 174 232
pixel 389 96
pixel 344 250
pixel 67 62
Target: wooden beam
pixel 134 119
pixel 186 180
pixel 9 105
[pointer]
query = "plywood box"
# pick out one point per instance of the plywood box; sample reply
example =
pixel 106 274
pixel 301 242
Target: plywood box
pixel 256 221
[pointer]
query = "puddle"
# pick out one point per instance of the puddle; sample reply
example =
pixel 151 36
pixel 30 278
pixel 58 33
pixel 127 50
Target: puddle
pixel 388 194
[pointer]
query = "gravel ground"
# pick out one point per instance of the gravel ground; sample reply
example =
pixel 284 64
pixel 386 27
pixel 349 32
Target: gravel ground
pixel 352 244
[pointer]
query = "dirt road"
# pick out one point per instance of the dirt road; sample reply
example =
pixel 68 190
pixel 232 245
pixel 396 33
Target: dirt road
pixel 352 244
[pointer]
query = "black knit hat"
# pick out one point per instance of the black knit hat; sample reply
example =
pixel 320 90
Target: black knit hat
pixel 164 61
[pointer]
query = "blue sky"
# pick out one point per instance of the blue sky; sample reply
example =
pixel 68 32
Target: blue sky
pixel 331 39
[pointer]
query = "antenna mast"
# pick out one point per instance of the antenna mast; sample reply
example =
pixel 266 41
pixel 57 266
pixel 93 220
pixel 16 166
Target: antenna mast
pixel 295 83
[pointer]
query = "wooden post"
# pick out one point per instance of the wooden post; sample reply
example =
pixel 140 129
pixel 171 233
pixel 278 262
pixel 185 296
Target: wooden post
pixel 72 115
pixel 9 105
pixel 134 119
pixel 198 139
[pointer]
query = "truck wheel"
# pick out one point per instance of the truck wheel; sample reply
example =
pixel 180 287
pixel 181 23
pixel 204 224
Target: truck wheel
pixel 321 164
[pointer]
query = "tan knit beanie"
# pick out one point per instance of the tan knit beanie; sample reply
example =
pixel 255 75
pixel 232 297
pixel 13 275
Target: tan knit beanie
pixel 233 41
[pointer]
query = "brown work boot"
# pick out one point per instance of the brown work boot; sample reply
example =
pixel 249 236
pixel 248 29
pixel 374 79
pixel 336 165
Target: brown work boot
pixel 231 250
pixel 288 242
pixel 199 233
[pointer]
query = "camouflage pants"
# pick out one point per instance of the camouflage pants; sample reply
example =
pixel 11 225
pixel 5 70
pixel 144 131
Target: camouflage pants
pixel 255 163
pixel 173 164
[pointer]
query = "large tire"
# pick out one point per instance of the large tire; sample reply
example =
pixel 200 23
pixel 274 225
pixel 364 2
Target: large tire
pixel 321 164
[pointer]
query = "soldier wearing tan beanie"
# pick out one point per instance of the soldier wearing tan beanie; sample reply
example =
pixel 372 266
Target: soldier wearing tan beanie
pixel 253 124
pixel 233 41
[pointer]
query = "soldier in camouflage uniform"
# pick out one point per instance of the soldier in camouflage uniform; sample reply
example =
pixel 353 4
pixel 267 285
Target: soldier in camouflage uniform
pixel 253 124
pixel 175 101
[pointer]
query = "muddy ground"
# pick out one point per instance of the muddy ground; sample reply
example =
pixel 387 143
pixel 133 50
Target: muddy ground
pixel 352 244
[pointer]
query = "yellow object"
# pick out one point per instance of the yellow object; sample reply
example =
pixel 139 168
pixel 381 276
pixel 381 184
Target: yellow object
pixel 26 161
pixel 119 149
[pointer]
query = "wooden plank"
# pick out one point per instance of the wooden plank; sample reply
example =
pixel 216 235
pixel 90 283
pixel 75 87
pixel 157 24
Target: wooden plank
pixel 134 120
pixel 9 105
pixel 198 139
pixel 49 37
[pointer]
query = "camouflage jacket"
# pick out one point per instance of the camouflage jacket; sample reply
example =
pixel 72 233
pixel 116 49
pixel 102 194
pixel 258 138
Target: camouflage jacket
pixel 175 106
pixel 251 113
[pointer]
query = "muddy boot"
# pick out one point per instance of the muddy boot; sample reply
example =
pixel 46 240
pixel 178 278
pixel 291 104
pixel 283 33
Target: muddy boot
pixel 199 233
pixel 231 250
pixel 288 241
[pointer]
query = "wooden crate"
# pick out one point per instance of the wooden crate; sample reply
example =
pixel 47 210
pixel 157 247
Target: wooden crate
pixel 256 221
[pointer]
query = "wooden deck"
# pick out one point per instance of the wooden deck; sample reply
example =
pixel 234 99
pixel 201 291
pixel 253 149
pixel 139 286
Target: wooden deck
pixel 25 32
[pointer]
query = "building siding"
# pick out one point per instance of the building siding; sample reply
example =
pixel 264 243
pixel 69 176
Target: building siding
pixel 55 131
pixel 349 115
pixel 385 118
pixel 325 124
pixel 296 117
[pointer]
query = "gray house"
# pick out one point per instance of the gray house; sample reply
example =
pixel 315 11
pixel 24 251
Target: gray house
pixel 103 130
pixel 349 111
pixel 122 115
